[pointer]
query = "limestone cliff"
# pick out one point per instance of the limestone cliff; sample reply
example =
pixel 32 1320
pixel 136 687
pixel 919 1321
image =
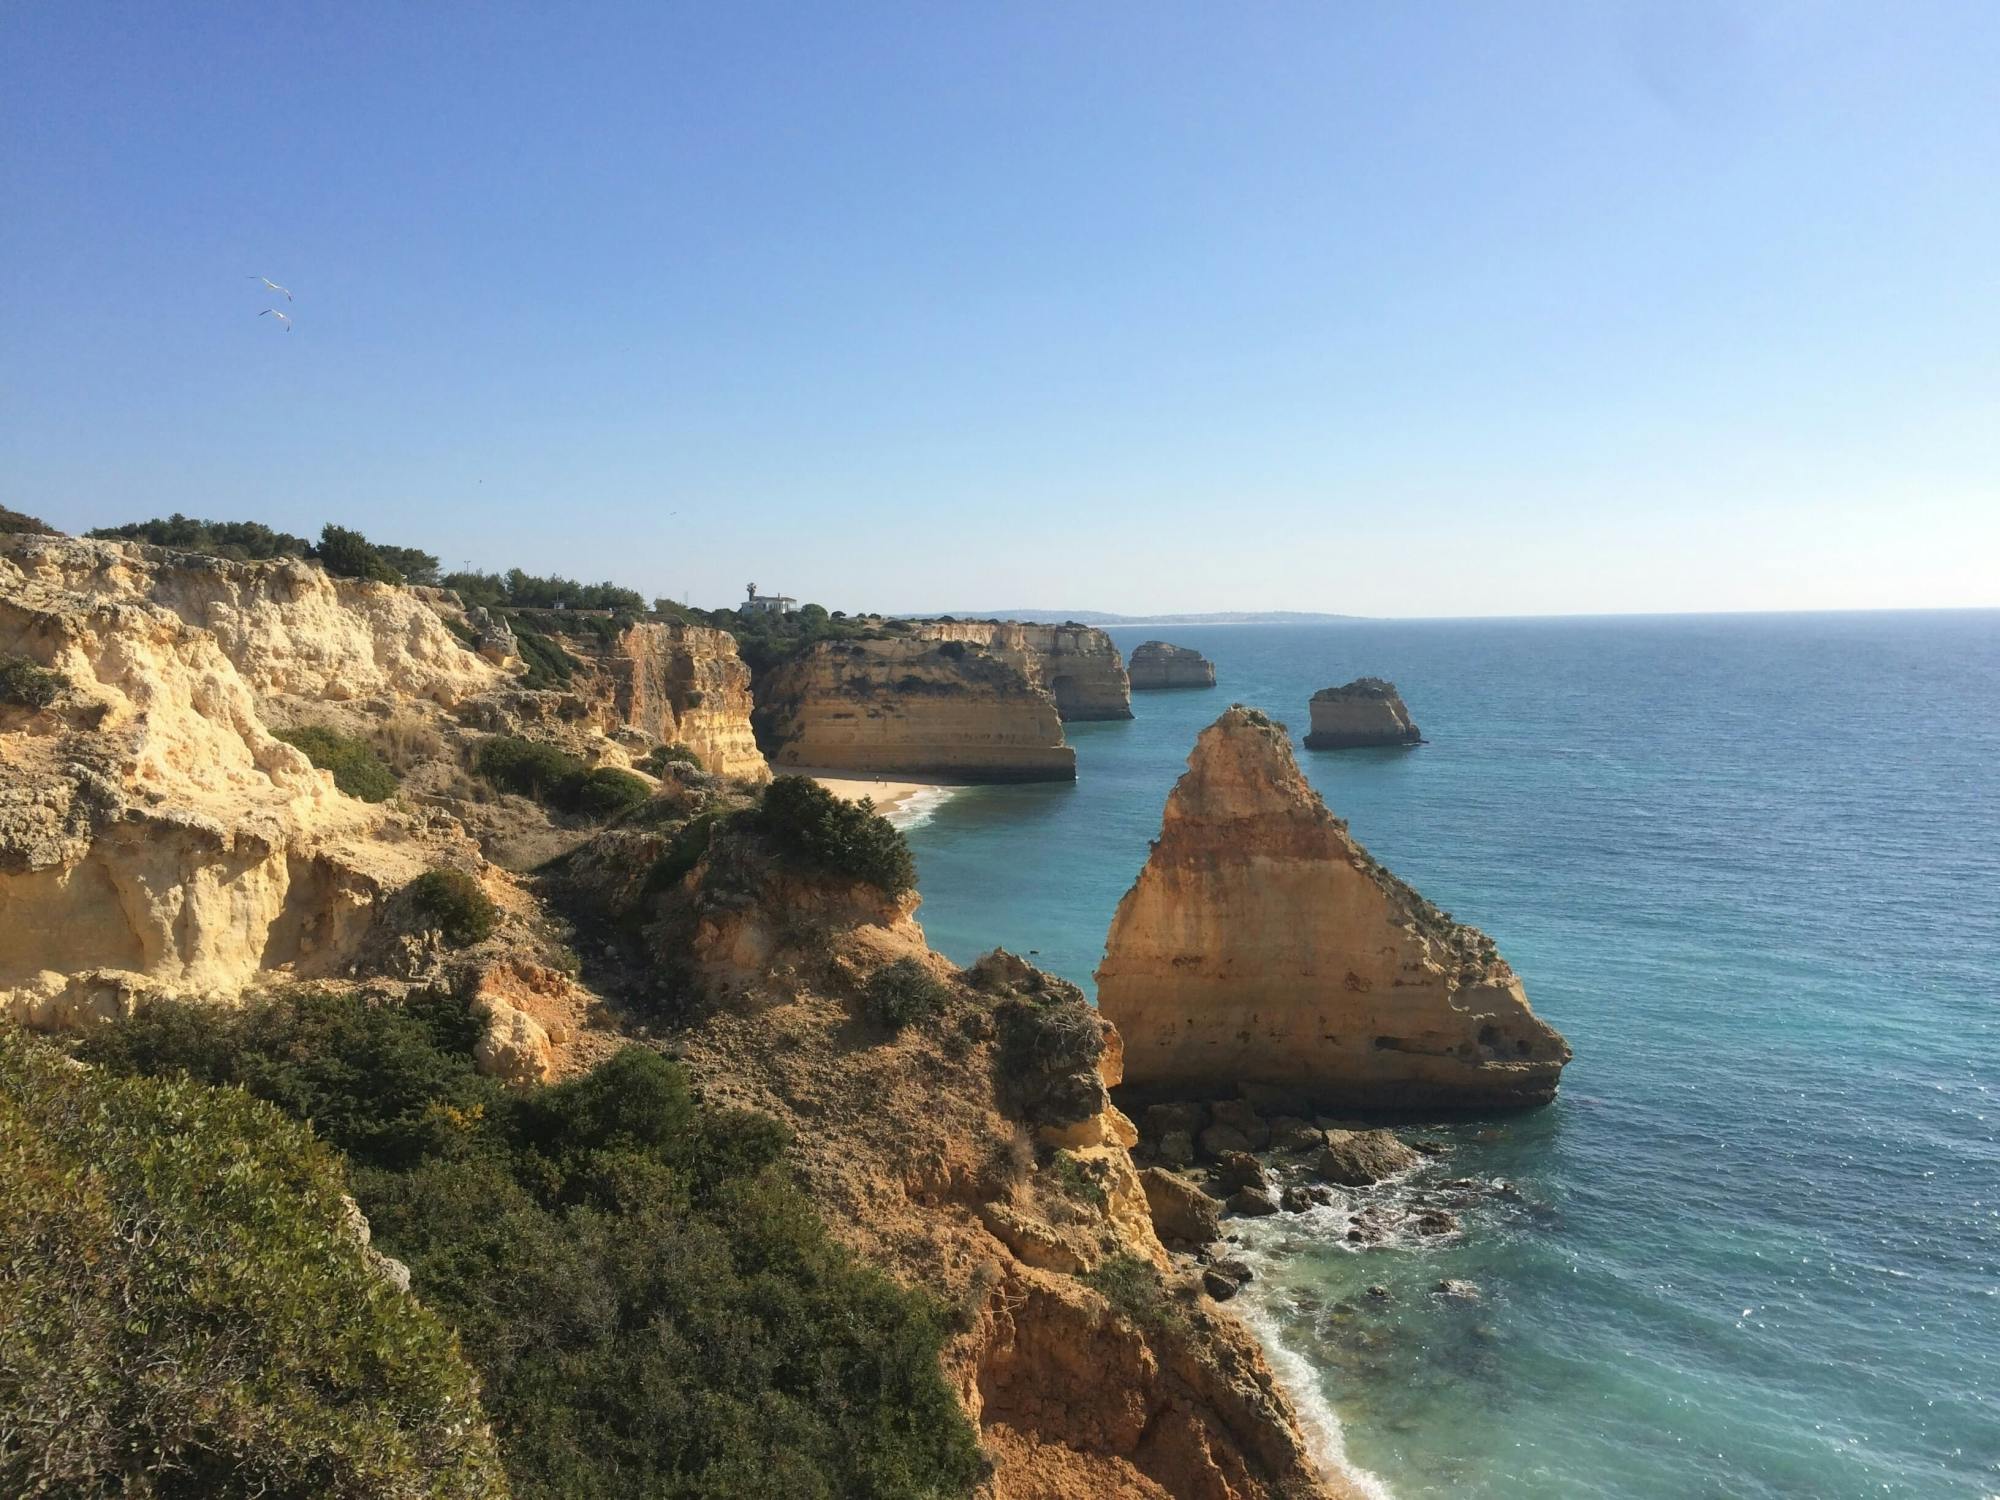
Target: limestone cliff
pixel 1261 943
pixel 153 833
pixel 1077 664
pixel 1364 712
pixel 975 1154
pixel 914 706
pixel 672 683
pixel 1157 665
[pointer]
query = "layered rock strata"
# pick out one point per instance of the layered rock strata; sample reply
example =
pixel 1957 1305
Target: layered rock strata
pixel 1363 713
pixel 1262 944
pixel 674 684
pixel 1077 664
pixel 1157 665
pixel 914 706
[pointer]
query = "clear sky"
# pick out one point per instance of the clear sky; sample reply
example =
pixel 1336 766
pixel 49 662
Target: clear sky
pixel 1400 308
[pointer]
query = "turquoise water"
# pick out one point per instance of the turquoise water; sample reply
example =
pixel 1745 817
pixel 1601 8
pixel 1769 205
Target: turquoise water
pixel 1751 867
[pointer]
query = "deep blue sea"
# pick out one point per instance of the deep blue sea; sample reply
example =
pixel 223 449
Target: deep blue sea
pixel 1750 865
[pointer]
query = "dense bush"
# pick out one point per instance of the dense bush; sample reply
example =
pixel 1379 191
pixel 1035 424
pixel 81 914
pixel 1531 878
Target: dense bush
pixel 658 760
pixel 14 520
pixel 343 553
pixel 904 992
pixel 548 664
pixel 456 904
pixel 607 791
pixel 357 769
pixel 553 776
pixel 527 768
pixel 30 685
pixel 652 1306
pixel 515 589
pixel 244 541
pixel 805 820
pixel 184 1310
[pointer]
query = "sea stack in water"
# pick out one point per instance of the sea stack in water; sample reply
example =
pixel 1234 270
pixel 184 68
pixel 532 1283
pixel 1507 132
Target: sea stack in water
pixel 1158 665
pixel 1365 712
pixel 1261 944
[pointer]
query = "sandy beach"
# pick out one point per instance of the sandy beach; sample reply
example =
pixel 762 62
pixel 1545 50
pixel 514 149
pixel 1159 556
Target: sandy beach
pixel 889 797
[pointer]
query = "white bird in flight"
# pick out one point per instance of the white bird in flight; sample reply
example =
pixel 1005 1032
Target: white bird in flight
pixel 284 318
pixel 271 284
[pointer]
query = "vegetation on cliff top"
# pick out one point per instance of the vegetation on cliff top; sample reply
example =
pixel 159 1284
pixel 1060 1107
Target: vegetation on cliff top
pixel 550 775
pixel 185 1309
pixel 653 1306
pixel 831 835
pixel 15 520
pixel 515 589
pixel 343 553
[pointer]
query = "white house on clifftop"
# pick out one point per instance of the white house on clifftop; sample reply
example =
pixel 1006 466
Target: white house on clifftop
pixel 768 604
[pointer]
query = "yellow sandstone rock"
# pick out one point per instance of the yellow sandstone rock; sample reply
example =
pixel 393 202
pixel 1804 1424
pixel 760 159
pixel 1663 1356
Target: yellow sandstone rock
pixel 1262 944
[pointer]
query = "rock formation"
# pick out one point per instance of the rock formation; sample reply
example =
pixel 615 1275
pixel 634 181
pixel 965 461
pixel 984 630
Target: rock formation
pixel 1261 943
pixel 672 684
pixel 977 1155
pixel 1157 665
pixel 1364 712
pixel 1077 664
pixel 914 706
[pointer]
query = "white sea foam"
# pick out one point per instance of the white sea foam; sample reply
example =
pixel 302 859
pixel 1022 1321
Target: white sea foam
pixel 919 807
pixel 1317 1419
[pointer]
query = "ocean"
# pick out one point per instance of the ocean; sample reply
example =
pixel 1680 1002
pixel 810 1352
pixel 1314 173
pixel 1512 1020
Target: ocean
pixel 1750 866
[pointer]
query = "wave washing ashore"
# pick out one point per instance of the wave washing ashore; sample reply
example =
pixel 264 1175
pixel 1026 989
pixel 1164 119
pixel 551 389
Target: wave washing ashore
pixel 1750 867
pixel 907 804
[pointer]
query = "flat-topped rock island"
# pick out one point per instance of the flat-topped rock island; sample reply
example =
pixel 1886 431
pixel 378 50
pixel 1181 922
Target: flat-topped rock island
pixel 1365 713
pixel 1157 665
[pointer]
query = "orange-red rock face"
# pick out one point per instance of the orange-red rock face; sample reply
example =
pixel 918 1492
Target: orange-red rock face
pixel 1262 944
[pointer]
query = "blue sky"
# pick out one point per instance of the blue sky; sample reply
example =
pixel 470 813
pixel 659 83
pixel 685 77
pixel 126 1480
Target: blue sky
pixel 1388 308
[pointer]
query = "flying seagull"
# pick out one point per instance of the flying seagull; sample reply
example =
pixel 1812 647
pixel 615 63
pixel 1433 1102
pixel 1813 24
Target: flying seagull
pixel 271 284
pixel 272 312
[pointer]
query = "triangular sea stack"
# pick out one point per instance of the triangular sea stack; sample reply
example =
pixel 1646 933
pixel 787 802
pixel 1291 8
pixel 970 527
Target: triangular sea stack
pixel 1262 944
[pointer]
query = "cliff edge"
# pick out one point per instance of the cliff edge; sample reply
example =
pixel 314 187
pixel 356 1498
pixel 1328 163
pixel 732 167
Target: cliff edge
pixel 1261 943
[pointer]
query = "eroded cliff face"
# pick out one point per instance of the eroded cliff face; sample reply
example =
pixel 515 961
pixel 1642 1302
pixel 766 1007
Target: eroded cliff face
pixel 1077 664
pixel 914 706
pixel 1261 943
pixel 153 834
pixel 674 684
pixel 1365 712
pixel 975 1154
pixel 1157 665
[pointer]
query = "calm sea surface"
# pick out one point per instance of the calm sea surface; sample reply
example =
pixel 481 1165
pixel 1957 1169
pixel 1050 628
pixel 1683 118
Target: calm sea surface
pixel 1751 867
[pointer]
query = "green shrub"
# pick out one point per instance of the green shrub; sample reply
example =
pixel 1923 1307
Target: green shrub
pixel 349 554
pixel 357 769
pixel 1068 1173
pixel 244 541
pixel 456 904
pixel 805 820
pixel 527 768
pixel 31 686
pixel 1135 1291
pixel 185 1310
pixel 903 992
pixel 548 664
pixel 658 760
pixel 652 1305
pixel 14 520
pixel 605 792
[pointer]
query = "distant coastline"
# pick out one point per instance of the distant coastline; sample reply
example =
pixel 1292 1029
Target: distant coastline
pixel 1100 617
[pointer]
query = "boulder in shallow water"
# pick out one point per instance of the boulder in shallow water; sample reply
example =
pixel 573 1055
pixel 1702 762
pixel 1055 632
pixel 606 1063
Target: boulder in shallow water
pixel 1357 1158
pixel 1252 1202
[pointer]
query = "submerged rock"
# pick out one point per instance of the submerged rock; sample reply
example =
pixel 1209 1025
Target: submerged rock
pixel 1262 945
pixel 1365 712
